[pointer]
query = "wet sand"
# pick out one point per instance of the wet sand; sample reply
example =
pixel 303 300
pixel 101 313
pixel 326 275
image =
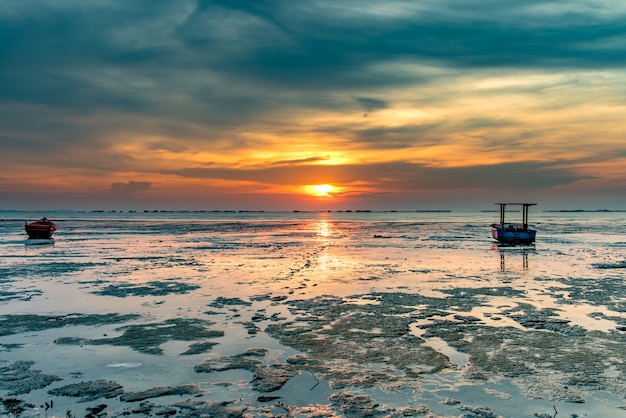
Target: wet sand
pixel 311 319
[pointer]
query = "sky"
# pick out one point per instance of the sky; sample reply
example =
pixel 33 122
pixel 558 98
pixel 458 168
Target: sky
pixel 256 105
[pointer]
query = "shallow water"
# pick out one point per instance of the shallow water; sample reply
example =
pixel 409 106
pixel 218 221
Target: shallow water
pixel 412 309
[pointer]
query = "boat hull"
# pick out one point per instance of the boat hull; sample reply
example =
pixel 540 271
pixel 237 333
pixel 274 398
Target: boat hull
pixel 40 229
pixel 513 235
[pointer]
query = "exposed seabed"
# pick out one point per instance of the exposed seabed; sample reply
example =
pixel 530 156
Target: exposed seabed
pixel 311 326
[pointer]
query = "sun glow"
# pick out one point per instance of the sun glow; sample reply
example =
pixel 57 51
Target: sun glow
pixel 322 190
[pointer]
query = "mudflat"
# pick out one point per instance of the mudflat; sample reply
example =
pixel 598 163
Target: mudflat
pixel 311 317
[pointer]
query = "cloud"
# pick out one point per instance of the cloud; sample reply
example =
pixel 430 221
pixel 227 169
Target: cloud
pixel 223 64
pixel 130 187
pixel 371 104
pixel 398 175
pixel 300 161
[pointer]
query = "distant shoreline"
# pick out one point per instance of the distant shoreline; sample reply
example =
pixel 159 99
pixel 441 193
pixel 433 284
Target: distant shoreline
pixel 585 210
pixel 230 211
pixel 301 211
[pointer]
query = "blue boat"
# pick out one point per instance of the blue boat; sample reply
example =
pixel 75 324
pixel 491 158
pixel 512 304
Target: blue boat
pixel 513 233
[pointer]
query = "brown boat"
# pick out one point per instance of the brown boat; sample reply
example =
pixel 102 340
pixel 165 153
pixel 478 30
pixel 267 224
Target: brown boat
pixel 41 229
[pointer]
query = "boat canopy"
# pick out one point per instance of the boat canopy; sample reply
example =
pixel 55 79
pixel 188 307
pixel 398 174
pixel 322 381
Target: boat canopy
pixel 524 206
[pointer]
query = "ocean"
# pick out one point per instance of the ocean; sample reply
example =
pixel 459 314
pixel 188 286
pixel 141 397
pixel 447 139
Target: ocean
pixel 312 314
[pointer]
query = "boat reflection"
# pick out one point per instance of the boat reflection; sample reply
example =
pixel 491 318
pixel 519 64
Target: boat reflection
pixel 36 241
pixel 508 252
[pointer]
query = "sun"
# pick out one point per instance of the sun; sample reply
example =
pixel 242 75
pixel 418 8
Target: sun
pixel 322 190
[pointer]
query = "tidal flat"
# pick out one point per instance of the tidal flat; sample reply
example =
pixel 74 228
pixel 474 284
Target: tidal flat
pixel 312 315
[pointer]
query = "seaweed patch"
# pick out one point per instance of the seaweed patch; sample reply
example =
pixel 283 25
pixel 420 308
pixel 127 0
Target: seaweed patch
pixel 147 338
pixel 18 378
pixel 15 324
pixel 153 288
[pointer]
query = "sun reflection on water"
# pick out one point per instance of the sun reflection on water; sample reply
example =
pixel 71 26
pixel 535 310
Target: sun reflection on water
pixel 324 228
